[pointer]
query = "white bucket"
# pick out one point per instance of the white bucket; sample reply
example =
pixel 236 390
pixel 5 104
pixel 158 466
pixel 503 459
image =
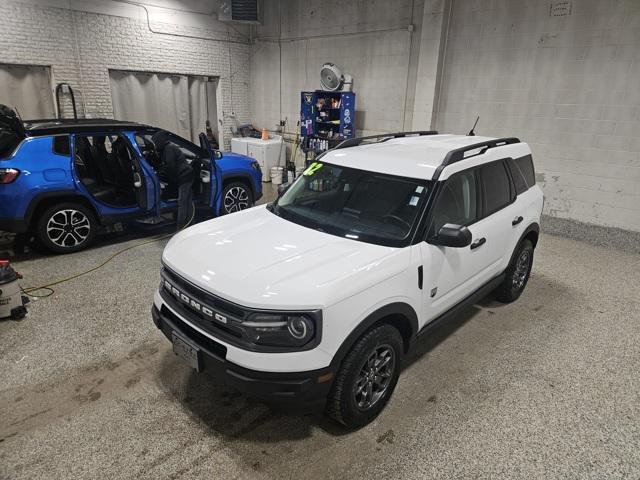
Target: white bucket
pixel 276 175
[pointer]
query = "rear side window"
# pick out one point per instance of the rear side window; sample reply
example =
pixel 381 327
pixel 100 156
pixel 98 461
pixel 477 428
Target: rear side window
pixel 525 164
pixel 496 189
pixel 518 177
pixel 9 141
pixel 61 145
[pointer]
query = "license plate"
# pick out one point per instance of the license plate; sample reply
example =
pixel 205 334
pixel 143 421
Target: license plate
pixel 186 351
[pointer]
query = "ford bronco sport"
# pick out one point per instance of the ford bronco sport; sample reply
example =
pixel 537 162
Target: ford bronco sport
pixel 62 180
pixel 317 297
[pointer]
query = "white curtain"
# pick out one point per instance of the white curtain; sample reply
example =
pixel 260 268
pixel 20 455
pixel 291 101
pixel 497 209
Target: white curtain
pixel 157 99
pixel 28 90
pixel 198 106
pixel 178 103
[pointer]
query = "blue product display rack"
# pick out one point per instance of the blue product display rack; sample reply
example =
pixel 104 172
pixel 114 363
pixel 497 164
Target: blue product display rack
pixel 326 119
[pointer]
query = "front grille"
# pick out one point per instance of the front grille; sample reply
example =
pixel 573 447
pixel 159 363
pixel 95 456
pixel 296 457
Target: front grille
pixel 194 335
pixel 199 319
pixel 229 332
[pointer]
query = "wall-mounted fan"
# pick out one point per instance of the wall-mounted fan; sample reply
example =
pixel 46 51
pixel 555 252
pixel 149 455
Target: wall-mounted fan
pixel 332 79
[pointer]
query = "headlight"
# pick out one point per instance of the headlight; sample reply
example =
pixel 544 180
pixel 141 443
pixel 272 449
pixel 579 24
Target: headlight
pixel 280 330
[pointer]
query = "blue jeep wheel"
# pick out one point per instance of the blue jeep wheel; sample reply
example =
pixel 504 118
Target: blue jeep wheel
pixel 235 197
pixel 66 227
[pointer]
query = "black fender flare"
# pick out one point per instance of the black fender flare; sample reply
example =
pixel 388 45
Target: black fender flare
pixel 230 177
pixel 534 227
pixel 67 194
pixel 392 309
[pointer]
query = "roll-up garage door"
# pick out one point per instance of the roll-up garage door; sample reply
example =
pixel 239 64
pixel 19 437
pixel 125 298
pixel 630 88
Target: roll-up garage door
pixel 178 103
pixel 27 89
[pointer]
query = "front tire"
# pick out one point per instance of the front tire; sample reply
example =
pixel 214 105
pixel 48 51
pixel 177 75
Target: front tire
pixel 517 274
pixel 236 196
pixel 367 377
pixel 66 228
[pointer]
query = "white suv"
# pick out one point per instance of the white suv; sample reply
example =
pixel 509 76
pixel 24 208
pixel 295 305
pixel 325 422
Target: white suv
pixel 315 298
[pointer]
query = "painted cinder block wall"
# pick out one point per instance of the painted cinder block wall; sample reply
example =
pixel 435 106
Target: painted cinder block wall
pixel 569 85
pixel 81 47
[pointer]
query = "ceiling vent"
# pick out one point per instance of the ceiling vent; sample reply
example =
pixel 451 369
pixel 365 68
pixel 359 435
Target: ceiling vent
pixel 239 11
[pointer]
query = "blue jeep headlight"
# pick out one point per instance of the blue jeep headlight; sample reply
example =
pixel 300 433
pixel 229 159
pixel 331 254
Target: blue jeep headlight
pixel 280 330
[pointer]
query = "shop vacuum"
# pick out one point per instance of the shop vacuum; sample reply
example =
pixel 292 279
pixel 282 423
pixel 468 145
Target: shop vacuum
pixel 11 300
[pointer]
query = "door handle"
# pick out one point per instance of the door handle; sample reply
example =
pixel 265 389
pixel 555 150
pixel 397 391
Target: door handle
pixel 478 243
pixel 516 221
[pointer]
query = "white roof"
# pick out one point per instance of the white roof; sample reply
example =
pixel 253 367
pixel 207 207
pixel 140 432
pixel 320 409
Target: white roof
pixel 414 157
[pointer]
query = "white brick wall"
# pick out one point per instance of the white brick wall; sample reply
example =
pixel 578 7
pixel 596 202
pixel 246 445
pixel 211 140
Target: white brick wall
pixel 45 35
pixel 569 86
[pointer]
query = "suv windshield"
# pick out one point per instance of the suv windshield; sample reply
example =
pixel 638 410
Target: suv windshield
pixel 357 204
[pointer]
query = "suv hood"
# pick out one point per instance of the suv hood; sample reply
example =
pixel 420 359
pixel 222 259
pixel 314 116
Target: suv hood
pixel 257 259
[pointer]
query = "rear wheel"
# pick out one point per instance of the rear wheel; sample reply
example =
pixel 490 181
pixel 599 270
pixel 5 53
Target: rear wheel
pixel 517 274
pixel 235 197
pixel 66 228
pixel 367 377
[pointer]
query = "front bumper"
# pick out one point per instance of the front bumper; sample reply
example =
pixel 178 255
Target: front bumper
pixel 304 391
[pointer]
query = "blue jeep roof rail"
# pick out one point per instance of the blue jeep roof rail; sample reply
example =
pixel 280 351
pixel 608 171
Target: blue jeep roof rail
pixel 459 153
pixel 383 137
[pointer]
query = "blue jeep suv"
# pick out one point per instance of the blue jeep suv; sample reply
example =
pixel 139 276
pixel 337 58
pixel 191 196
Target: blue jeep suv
pixel 63 180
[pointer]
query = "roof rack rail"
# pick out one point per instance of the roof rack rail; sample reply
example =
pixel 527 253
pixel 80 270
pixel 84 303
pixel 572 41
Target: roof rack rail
pixel 383 137
pixel 459 153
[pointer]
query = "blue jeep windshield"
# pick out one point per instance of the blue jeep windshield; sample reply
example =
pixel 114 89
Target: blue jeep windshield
pixel 357 204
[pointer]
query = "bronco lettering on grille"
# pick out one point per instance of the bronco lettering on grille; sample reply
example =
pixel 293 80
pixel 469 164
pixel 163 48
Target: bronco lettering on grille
pixel 197 306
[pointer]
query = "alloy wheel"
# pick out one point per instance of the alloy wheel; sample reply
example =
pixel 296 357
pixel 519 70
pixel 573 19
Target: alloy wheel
pixel 522 270
pixel 374 377
pixel 68 228
pixel 236 199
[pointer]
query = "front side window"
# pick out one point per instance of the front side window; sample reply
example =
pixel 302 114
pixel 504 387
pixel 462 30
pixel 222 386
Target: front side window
pixel 496 189
pixel 457 202
pixel 357 204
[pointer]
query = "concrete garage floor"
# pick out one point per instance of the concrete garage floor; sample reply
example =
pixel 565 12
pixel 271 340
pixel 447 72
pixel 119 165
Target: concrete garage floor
pixel 547 387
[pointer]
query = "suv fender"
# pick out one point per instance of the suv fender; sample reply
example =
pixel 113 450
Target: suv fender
pixel 42 199
pixel 239 177
pixel 398 314
pixel 531 232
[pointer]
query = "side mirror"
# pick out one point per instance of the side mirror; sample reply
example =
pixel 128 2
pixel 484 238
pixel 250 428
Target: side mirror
pixel 206 146
pixel 451 235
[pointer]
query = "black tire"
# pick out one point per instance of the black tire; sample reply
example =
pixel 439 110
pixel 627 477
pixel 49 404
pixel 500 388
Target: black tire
pixel 517 274
pixel 77 227
pixel 236 196
pixel 343 401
